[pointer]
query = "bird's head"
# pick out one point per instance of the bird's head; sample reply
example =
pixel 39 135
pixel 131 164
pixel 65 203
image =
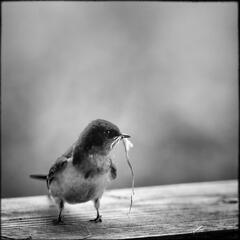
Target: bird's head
pixel 101 135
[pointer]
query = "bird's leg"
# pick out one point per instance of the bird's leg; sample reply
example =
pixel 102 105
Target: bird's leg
pixel 61 206
pixel 97 205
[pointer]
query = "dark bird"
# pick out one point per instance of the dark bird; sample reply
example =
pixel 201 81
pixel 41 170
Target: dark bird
pixel 83 172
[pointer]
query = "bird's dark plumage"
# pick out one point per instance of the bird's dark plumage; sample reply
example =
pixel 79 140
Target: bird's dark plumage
pixel 38 176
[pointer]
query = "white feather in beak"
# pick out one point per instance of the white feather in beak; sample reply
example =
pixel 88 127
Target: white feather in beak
pixel 127 145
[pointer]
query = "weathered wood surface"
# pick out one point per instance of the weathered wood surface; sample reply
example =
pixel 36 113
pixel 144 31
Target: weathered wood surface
pixel 190 211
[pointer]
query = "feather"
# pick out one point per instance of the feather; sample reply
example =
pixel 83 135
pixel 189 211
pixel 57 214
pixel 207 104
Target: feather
pixel 127 145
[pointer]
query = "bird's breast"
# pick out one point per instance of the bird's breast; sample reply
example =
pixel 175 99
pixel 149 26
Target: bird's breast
pixel 73 186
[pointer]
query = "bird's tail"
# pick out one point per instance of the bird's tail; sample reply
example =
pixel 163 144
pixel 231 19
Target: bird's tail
pixel 38 176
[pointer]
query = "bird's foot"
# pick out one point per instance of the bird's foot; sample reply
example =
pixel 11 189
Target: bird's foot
pixel 97 219
pixel 59 220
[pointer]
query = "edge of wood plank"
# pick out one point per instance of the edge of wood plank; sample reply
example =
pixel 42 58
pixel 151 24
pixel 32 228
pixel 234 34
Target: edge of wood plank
pixel 220 235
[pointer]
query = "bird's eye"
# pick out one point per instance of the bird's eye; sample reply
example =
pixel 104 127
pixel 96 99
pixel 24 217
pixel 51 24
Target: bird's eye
pixel 107 133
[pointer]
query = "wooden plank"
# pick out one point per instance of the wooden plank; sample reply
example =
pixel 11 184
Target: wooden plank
pixel 195 210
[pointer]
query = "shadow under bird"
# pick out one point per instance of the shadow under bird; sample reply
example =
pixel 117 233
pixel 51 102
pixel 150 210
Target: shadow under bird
pixel 83 172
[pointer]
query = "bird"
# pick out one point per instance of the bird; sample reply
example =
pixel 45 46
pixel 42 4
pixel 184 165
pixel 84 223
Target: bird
pixel 84 171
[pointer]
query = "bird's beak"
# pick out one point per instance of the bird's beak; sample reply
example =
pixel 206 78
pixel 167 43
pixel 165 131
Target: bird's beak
pixel 125 136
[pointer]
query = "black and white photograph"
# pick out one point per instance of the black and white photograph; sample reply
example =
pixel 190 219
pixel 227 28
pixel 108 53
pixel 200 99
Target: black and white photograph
pixel 119 120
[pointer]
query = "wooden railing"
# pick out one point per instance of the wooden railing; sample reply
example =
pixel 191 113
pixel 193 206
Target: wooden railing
pixel 207 210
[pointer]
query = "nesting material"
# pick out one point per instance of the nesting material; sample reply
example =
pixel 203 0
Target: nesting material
pixel 127 145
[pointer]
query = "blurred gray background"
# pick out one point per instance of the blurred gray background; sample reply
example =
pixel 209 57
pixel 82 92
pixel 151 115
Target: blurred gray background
pixel 166 73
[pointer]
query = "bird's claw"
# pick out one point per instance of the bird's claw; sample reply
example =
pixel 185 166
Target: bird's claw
pixel 97 219
pixel 58 221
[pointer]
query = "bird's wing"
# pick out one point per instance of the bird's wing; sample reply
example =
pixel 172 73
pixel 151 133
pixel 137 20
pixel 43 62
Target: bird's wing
pixel 58 166
pixel 69 151
pixel 113 171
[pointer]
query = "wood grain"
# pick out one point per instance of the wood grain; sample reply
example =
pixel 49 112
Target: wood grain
pixel 191 211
